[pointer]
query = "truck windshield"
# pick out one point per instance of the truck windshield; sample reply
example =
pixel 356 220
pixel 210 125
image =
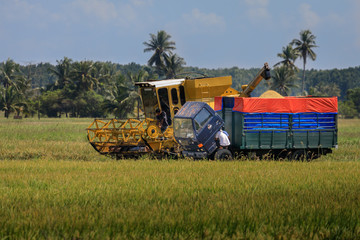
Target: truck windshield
pixel 183 128
pixel 150 101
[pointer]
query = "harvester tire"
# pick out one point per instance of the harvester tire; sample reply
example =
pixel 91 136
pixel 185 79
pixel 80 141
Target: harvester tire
pixel 223 154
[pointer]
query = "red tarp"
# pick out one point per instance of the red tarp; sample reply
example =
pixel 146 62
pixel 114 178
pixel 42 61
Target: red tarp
pixel 218 103
pixel 282 105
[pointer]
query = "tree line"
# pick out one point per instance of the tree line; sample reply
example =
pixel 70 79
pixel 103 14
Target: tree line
pixel 102 89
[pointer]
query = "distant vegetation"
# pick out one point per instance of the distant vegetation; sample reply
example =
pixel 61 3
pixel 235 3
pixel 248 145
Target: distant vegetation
pixel 102 89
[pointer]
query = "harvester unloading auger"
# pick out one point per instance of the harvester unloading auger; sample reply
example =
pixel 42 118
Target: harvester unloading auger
pixel 134 137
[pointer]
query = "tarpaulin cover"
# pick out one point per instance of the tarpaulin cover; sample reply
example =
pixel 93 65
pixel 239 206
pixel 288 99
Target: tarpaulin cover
pixel 282 105
pixel 282 121
pixel 218 103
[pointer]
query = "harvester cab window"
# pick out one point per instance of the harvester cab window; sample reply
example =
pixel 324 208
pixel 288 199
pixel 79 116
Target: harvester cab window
pixel 201 119
pixel 174 96
pixel 149 101
pixel 182 95
pixel 164 103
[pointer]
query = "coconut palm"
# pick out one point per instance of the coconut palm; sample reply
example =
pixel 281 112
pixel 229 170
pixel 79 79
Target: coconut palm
pixel 283 80
pixel 173 64
pixel 289 56
pixel 305 46
pixel 62 72
pixel 325 89
pixel 83 75
pixel 9 100
pixel 141 76
pixel 162 47
pixel 10 74
pixel 123 96
pixel 119 96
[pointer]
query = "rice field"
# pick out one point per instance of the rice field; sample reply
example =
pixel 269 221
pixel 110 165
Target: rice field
pixel 54 185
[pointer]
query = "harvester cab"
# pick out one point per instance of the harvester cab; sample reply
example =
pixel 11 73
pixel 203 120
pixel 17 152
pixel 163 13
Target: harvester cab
pixel 195 127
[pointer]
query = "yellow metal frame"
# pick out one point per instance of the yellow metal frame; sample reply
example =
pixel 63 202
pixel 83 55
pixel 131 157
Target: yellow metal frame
pixel 112 136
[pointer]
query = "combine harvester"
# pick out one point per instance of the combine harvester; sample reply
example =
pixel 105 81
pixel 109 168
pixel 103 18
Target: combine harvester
pixel 123 138
pixel 285 127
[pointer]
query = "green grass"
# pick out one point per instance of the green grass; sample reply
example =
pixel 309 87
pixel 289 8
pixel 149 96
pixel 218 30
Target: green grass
pixel 54 185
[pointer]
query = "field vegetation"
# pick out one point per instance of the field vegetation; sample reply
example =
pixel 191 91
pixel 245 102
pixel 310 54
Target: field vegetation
pixel 54 185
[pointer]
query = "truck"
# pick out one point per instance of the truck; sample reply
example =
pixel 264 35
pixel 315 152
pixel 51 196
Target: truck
pixel 298 128
pixel 127 138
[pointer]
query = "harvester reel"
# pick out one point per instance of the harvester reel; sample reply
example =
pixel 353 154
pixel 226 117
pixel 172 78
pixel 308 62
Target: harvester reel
pixel 153 131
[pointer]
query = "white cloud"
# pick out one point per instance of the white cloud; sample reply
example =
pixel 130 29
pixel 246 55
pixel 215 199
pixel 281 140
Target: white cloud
pixel 357 22
pixel 210 19
pixel 21 7
pixel 257 3
pixel 310 18
pixel 104 11
pixel 101 9
pixel 258 10
pixel 198 19
pixel 141 3
pixel 27 13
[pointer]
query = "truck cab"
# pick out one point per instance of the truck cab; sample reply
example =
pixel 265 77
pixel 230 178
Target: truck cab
pixel 195 127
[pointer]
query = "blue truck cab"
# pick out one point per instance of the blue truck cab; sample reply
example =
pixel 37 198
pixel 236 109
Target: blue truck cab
pixel 195 127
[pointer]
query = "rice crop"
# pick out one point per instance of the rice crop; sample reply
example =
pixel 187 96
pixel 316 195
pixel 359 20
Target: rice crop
pixel 54 185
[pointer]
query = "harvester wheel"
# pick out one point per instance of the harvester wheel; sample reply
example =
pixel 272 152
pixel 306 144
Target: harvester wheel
pixel 223 154
pixel 153 131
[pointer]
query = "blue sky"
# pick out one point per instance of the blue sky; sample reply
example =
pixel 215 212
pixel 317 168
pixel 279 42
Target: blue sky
pixel 208 33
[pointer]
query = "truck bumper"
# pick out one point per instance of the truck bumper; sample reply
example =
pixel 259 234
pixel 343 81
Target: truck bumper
pixel 195 155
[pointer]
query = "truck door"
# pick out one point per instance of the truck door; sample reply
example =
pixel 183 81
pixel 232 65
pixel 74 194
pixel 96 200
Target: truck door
pixel 206 126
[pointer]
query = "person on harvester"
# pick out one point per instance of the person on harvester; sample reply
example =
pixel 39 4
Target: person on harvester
pixel 162 120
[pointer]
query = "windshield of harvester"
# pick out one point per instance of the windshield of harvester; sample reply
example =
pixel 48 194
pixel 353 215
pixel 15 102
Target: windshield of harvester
pixel 149 101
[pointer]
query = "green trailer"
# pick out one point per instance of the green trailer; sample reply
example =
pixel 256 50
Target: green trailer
pixel 285 127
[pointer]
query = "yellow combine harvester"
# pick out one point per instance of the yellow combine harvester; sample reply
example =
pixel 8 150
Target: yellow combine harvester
pixel 133 137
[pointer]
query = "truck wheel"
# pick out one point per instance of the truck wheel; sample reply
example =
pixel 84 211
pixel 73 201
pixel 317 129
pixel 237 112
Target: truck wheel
pixel 223 154
pixel 299 155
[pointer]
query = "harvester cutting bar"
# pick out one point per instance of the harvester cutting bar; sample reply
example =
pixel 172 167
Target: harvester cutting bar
pixel 105 136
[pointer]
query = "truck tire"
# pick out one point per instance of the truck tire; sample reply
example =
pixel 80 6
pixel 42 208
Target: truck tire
pixel 223 154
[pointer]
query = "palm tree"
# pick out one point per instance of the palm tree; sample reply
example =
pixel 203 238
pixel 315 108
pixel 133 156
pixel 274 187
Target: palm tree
pixel 120 99
pixel 173 64
pixel 62 72
pixel 289 56
pixel 9 100
pixel 162 47
pixel 325 89
pixel 83 75
pixel 104 71
pixel 141 76
pixel 304 46
pixel 283 80
pixel 10 74
pixel 123 96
